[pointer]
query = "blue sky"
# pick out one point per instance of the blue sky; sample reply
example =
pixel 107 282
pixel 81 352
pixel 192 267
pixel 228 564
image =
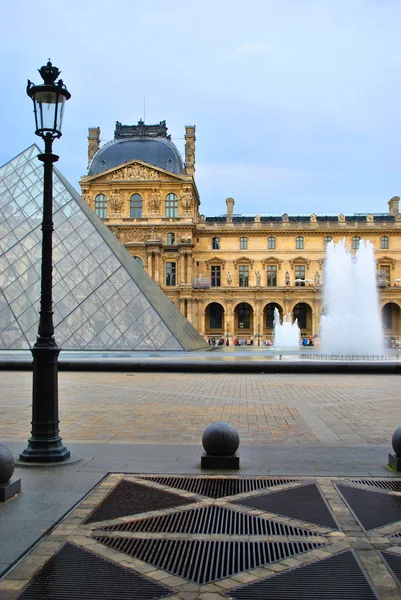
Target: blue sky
pixel 296 102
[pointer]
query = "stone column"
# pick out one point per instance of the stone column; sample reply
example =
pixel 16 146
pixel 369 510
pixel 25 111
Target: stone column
pixel 189 309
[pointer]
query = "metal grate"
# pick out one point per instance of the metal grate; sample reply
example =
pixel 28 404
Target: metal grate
pixel 219 488
pixel 76 573
pixel 372 509
pixel 338 577
pixel 203 561
pixel 394 485
pixel 394 562
pixel 129 498
pixel 210 520
pixel 305 503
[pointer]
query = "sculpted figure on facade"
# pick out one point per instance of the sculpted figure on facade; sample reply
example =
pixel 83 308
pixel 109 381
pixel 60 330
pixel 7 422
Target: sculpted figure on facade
pixel 257 219
pixel 186 200
pixel 115 202
pixel 287 278
pixel 313 218
pixel 202 219
pixel 258 278
pixel 341 218
pixel 285 218
pixel 155 199
pixel 86 197
pixel 229 278
pixel 317 278
pixel 137 172
pixel 370 218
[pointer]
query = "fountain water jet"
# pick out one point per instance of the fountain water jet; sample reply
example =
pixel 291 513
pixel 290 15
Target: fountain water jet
pixel 352 325
pixel 286 334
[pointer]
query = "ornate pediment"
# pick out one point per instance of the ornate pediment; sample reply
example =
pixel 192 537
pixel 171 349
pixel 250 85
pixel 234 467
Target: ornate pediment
pixel 243 260
pixel 272 260
pixel 386 260
pixel 216 260
pixel 299 260
pixel 135 170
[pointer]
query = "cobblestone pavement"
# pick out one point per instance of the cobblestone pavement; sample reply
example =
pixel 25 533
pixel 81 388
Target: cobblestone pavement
pixel 282 409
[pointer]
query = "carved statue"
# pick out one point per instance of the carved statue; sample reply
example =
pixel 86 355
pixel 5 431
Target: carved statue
pixel 341 218
pixel 202 219
pixel 155 199
pixel 86 197
pixel 370 218
pixel 287 278
pixel 257 218
pixel 137 172
pixel 285 218
pixel 152 235
pixel 116 202
pixel 258 278
pixel 229 278
pixel 186 200
pixel 313 218
pixel 317 278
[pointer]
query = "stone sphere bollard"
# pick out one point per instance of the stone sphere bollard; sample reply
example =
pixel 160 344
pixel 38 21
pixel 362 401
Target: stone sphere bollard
pixel 7 464
pixel 220 439
pixel 396 441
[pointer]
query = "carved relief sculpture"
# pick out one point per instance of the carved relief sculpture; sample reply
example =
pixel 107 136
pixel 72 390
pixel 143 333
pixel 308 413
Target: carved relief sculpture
pixel 115 202
pixel 257 219
pixel 313 218
pixel 154 204
pixel 229 278
pixel 86 197
pixel 285 218
pixel 317 278
pixel 138 172
pixel 370 218
pixel 258 278
pixel 186 200
pixel 287 278
pixel 341 218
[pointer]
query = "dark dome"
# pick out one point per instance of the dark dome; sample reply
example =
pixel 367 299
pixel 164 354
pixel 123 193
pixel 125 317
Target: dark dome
pixel 159 152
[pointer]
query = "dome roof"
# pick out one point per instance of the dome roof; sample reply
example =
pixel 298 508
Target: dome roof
pixel 156 151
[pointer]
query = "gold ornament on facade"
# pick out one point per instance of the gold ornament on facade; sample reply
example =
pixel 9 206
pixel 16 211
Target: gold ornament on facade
pixel 138 172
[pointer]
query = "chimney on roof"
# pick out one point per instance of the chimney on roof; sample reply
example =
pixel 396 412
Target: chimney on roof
pixel 190 149
pixel 93 142
pixel 230 209
pixel 393 205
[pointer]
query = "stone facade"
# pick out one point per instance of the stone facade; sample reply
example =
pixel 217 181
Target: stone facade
pixel 227 273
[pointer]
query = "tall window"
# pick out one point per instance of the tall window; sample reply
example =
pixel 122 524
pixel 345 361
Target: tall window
pixel 139 260
pixel 299 243
pixel 171 205
pixel 300 313
pixel 271 275
pixel 386 269
pixel 216 273
pixel 135 206
pixel 170 273
pixel 299 275
pixel 243 275
pixel 170 239
pixel 384 242
pixel 327 239
pixel 355 242
pixel 101 206
pixel 271 243
pixel 244 316
pixel 216 243
pixel 243 243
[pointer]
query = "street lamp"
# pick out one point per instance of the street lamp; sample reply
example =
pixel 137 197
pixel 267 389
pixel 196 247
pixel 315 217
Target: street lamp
pixel 227 327
pixel 45 444
pixel 258 334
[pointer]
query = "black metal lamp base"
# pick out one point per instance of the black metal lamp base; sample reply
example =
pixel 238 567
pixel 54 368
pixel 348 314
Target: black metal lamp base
pixel 44 453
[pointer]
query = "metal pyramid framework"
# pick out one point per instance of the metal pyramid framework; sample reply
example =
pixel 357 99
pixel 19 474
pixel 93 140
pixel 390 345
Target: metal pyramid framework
pixel 103 300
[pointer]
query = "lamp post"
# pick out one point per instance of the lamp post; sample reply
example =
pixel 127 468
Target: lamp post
pixel 45 444
pixel 258 334
pixel 227 329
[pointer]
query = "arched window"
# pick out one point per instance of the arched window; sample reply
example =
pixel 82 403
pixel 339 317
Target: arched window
pixel 327 239
pixel 355 242
pixel 101 206
pixel 243 243
pixel 171 205
pixel 299 243
pixel 170 239
pixel 216 243
pixel 384 242
pixel 271 243
pixel 244 315
pixel 139 261
pixel 135 206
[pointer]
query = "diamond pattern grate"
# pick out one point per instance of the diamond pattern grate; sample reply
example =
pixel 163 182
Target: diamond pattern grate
pixel 209 520
pixel 219 488
pixel 382 484
pixel 205 561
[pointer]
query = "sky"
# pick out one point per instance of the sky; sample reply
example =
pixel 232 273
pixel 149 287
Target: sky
pixel 296 102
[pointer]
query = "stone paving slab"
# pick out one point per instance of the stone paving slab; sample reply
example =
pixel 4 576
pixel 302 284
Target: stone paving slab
pixel 365 546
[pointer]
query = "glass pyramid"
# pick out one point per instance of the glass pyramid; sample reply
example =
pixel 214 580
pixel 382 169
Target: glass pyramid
pixel 103 300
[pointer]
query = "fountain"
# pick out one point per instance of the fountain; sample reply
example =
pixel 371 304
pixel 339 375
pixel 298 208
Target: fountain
pixel 286 334
pixel 352 325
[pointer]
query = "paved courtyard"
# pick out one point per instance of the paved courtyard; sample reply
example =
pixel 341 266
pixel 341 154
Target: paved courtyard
pixel 154 408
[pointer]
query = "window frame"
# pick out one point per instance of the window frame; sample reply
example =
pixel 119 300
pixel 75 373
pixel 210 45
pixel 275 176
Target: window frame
pixel 356 240
pixel 171 205
pixel 384 242
pixel 170 238
pixel 215 243
pixel 271 242
pixel 243 243
pixel 171 277
pixel 215 276
pixel 299 242
pixel 243 275
pixel 101 205
pixel 300 273
pixel 135 204
pixel 327 239
pixel 269 277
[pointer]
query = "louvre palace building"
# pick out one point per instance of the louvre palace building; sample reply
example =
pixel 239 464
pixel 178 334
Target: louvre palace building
pixel 226 273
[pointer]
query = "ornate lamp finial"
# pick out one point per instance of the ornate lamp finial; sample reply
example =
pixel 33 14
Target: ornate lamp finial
pixel 49 73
